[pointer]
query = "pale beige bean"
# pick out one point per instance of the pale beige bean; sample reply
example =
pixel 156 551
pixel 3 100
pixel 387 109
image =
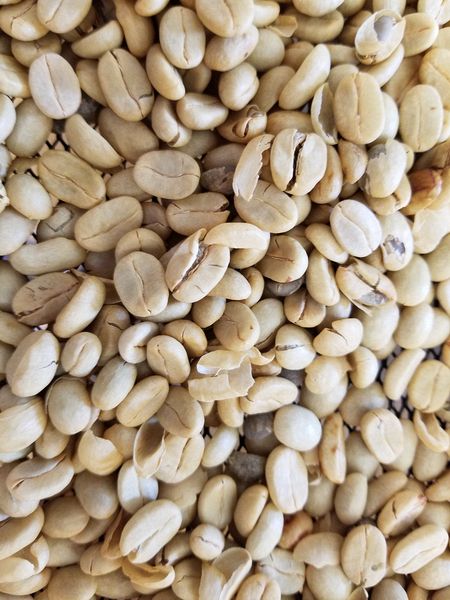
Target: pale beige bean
pixel 8 117
pixel 71 179
pixel 430 432
pixel 307 7
pixel 53 255
pixel 364 555
pixel 400 372
pixel 320 282
pixel 320 29
pixel 217 501
pixel 319 549
pixel 206 542
pixel 358 401
pixel 385 168
pixel 237 329
pixel 285 260
pixel 27 52
pixel 324 373
pixel 332 449
pixel 249 507
pixel 307 159
pixel 293 347
pixel 143 401
pixel 61 17
pixel 139 240
pixel 29 197
pixel 350 499
pixel 40 300
pixel 434 72
pixel 434 575
pixel 100 228
pixel 269 393
pixel 97 42
pixel 423 397
pixel 205 210
pixel 167 125
pixel 82 308
pixel 12 419
pixel 15 229
pixel 113 383
pixel 286 477
pixel 201 111
pixel 54 86
pixel 12 331
pixel 97 454
pixel 182 37
pixel 161 518
pixel 139 298
pixel 225 19
pixel 418 548
pixel 343 337
pixel 328 580
pixel 231 568
pixel 219 448
pixel 401 510
pixel 364 367
pixel 290 421
pixel 223 54
pixel 14 80
pixel 282 567
pixel 68 405
pixel 80 354
pixel 90 145
pixel 133 341
pixel 30 131
pixel 266 533
pixel 413 282
pixel 168 173
pixel 421 32
pixel 180 414
pixel 125 84
pixel 358 108
pixel 322 117
pixel 325 403
pixel 382 432
pixel 355 227
pixel 259 587
pixel 138 31
pixel 381 489
pixel 21 21
pixel 130 139
pixel 268 208
pixel 40 478
pixel 365 285
pixel 421 117
pixel 311 74
pixel 270 85
pixel 195 269
pixel 33 364
pixel 163 76
pixel 392 588
pixel 167 357
pixel 378 36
